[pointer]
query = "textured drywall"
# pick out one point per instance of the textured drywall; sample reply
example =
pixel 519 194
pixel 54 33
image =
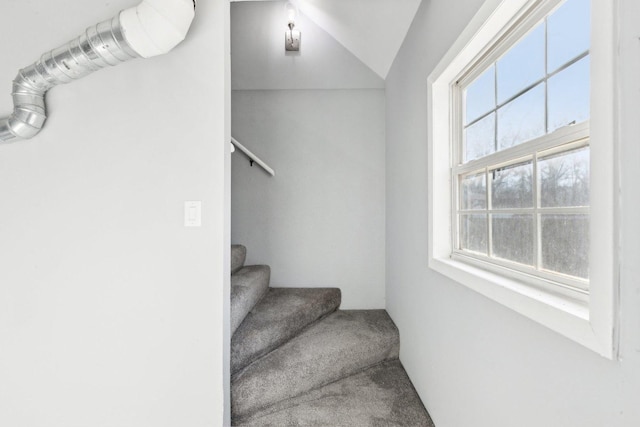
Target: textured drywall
pixel 111 311
pixel 320 221
pixel 372 29
pixel 473 361
pixel 259 60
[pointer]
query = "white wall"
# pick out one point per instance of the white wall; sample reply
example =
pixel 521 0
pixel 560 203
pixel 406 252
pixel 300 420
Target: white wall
pixel 318 118
pixel 111 312
pixel 475 362
pixel 372 30
pixel 320 221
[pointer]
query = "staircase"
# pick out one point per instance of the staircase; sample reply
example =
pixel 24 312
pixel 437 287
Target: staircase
pixel 296 360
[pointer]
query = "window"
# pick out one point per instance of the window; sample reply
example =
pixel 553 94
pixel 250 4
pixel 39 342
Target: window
pixel 521 163
pixel 521 198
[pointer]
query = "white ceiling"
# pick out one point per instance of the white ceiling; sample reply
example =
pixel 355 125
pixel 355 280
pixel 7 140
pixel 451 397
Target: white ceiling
pixel 373 30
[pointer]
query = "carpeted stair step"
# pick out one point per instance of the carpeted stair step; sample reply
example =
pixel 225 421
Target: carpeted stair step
pixel 337 346
pixel 379 396
pixel 248 286
pixel 281 315
pixel 238 256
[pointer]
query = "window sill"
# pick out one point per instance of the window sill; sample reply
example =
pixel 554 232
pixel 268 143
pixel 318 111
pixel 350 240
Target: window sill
pixel 565 315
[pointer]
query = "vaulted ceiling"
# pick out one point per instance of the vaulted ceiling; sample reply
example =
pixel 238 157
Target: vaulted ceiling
pixel 373 30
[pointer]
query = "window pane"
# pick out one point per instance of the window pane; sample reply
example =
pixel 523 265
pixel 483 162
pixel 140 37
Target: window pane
pixel 568 33
pixel 480 138
pixel 512 237
pixel 522 119
pixel 565 244
pixel 522 65
pixel 568 93
pixel 480 96
pixel 564 179
pixel 511 186
pixel 473 233
pixel 473 192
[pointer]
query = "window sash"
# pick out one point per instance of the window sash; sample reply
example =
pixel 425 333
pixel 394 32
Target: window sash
pixel 561 140
pixel 493 52
pixel 549 279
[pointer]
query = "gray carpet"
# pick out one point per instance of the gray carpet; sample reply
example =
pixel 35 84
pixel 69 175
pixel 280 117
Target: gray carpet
pixel 248 286
pixel 379 396
pixel 281 315
pixel 296 361
pixel 238 256
pixel 340 345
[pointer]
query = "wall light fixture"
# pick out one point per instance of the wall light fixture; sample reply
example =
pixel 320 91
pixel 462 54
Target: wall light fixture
pixel 291 37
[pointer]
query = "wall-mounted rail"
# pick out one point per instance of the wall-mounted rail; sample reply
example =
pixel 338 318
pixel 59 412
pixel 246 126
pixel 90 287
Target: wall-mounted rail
pixel 252 157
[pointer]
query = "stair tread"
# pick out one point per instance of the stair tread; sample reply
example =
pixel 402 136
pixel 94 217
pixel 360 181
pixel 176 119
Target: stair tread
pixel 238 257
pixel 278 317
pixel 341 344
pixel 380 395
pixel 248 286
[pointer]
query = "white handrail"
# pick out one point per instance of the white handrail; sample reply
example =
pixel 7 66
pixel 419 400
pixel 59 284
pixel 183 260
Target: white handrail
pixel 252 157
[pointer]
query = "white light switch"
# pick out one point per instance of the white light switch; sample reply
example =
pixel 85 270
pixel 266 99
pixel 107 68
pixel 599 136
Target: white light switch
pixel 193 213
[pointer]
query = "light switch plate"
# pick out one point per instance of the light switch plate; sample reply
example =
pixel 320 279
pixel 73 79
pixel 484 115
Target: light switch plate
pixel 193 213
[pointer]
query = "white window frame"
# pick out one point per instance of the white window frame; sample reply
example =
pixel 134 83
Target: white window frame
pixel 591 319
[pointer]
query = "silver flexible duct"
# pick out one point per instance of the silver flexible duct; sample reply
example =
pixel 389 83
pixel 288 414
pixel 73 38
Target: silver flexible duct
pixel 100 46
pixel 155 27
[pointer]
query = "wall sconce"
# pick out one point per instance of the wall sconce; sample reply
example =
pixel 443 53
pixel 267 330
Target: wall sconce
pixel 291 37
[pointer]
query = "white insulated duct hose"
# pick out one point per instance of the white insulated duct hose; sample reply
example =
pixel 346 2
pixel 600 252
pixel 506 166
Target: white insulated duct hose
pixel 152 28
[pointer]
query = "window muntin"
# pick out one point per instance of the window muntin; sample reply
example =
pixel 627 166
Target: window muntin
pixel 568 95
pixel 522 66
pixel 522 195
